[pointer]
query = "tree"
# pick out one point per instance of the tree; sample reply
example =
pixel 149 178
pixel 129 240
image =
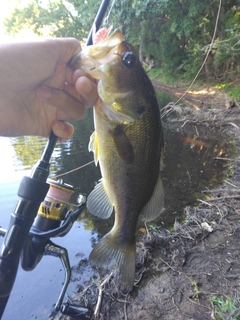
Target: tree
pixel 60 18
pixel 175 34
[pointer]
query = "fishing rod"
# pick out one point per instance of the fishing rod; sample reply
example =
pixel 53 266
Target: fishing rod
pixel 23 228
pixel 95 26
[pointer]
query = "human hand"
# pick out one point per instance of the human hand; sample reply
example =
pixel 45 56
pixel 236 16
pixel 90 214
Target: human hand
pixel 38 89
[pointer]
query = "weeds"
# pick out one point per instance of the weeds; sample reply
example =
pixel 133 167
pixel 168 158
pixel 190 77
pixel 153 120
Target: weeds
pixel 232 90
pixel 225 308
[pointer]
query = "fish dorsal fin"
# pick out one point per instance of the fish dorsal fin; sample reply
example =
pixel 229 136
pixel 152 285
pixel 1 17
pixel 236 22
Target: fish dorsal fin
pixel 154 206
pixel 93 146
pixel 98 202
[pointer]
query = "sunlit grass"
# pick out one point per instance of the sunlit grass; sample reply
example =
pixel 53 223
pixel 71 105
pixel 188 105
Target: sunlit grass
pixel 232 90
pixel 221 86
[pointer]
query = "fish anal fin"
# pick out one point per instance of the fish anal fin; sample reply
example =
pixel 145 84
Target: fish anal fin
pixel 111 255
pixel 154 206
pixel 98 202
pixel 93 146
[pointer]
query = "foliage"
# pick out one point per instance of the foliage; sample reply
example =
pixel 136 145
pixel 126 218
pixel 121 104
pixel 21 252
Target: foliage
pixel 175 34
pixel 231 89
pixel 65 18
pixel 225 307
pixel 228 49
pixel 234 93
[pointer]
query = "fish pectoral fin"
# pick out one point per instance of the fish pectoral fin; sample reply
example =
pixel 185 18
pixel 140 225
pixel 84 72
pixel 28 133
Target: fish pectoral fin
pixel 154 206
pixel 98 202
pixel 114 114
pixel 93 146
pixel 110 254
pixel 122 144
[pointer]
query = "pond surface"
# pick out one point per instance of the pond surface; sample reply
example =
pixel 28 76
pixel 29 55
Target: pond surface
pixel 189 168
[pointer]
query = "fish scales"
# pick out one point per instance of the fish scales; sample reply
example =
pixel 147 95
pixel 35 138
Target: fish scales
pixel 128 144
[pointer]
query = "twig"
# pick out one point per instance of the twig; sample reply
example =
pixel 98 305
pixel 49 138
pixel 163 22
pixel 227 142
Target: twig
pixel 227 159
pixel 100 294
pixel 136 281
pixel 196 131
pixel 205 202
pixel 192 301
pixel 165 262
pixel 173 300
pixel 231 184
pixel 125 310
pixel 184 123
pixel 227 197
pixel 211 205
pixel 81 296
pixel 234 125
pixel 148 233
pixel 220 190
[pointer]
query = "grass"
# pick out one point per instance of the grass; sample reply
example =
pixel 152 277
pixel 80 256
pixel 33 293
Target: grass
pixel 176 80
pixel 235 93
pixel 232 90
pixel 158 74
pixel 163 77
pixel 225 308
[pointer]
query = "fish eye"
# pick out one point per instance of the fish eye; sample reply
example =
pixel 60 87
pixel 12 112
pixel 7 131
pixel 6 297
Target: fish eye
pixel 129 59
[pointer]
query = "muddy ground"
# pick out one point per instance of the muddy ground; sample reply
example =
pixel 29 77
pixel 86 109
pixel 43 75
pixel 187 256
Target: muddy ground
pixel 180 271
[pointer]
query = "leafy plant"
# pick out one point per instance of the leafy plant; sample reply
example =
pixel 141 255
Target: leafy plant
pixel 234 93
pixel 232 90
pixel 225 308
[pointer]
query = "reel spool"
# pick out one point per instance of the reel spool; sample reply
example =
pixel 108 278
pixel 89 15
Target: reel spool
pixel 54 207
pixel 56 203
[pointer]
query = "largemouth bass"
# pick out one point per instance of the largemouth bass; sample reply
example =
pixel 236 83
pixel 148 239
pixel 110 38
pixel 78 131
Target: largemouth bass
pixel 128 145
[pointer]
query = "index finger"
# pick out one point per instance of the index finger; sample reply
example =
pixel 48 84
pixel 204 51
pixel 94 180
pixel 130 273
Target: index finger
pixel 72 108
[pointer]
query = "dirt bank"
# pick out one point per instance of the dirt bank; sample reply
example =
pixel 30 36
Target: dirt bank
pixel 200 98
pixel 179 272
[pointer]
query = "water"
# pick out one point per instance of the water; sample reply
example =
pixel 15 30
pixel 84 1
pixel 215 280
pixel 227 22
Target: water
pixel 189 168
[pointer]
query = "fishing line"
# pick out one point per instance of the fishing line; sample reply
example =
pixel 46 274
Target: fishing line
pixel 105 21
pixel 205 60
pixel 78 168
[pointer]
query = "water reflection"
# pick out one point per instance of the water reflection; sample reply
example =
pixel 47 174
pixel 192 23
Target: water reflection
pixel 27 151
pixel 190 167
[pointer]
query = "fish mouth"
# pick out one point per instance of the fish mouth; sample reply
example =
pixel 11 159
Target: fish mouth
pixel 92 59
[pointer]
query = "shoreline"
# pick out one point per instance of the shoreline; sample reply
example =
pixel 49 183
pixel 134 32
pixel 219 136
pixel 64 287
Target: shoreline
pixel 179 272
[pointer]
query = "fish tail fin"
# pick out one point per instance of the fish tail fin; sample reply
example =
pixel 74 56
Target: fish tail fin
pixel 110 254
